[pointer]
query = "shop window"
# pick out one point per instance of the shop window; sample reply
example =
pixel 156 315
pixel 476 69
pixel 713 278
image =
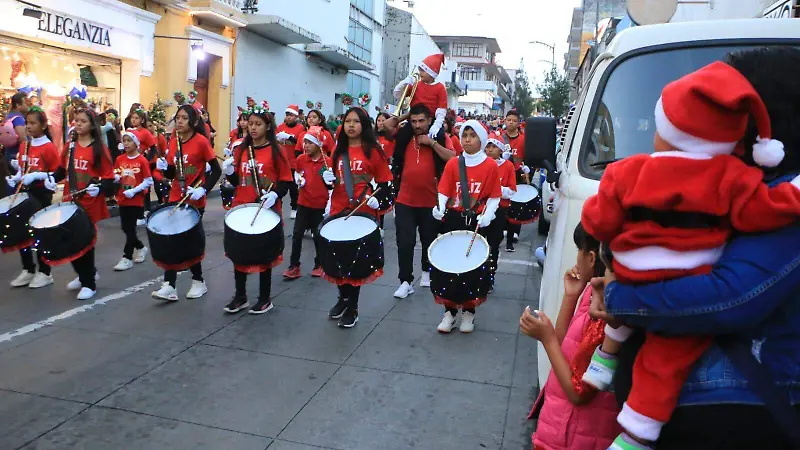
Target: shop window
pixel 359 40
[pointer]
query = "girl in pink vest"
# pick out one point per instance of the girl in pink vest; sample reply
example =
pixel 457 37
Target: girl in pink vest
pixel 572 414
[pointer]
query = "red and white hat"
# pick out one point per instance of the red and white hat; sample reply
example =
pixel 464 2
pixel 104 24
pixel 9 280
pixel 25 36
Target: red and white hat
pixel 707 112
pixel 433 64
pixel 314 135
pixel 497 140
pixel 293 109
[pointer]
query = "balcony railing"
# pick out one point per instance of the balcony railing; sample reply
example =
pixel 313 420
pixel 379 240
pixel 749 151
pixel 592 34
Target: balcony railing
pixel 482 86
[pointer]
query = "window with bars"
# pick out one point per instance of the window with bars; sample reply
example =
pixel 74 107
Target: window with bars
pixel 359 40
pixel 462 49
pixel 470 74
pixel 356 84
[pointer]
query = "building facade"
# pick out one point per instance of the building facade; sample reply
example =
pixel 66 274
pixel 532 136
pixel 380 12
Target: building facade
pixel 572 59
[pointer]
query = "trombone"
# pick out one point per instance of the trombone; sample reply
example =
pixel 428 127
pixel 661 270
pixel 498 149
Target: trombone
pixel 407 96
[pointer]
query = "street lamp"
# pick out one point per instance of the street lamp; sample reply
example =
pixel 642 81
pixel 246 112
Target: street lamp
pixel 196 44
pixel 551 47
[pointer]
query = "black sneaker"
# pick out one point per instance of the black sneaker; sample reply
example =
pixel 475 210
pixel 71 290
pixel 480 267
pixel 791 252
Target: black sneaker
pixel 236 305
pixel 349 319
pixel 338 309
pixel 510 248
pixel 261 307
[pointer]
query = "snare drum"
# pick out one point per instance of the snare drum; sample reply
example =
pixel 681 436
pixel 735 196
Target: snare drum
pixel 257 247
pixel 457 279
pixel 15 234
pixel 63 233
pixel 351 251
pixel 526 204
pixel 177 240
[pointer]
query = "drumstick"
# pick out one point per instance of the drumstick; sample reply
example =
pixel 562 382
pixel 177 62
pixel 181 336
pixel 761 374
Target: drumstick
pixel 261 205
pixel 196 184
pixel 19 186
pixel 474 235
pixel 363 202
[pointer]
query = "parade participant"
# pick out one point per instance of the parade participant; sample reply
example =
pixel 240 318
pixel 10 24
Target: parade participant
pixel 658 230
pixel 161 147
pixel 273 179
pixel 451 132
pixel 212 132
pixel 87 164
pixel 238 133
pixel 430 93
pixel 367 162
pixel 16 115
pixel 134 180
pixel 384 137
pixel 483 183
pixel 289 135
pixel 195 151
pixel 316 119
pixel 416 169
pixel 148 147
pixel 35 161
pixel 313 198
pixel 515 138
pixel 508 187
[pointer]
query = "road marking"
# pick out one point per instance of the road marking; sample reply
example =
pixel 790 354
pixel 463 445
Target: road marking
pixel 516 261
pixel 75 311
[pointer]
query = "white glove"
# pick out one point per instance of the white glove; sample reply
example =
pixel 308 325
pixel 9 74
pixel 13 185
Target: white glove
pixel 507 192
pixel 33 176
pixel 121 146
pixel 129 193
pixel 283 136
pixel 484 220
pixel 196 194
pixel 434 131
pixel 299 180
pixel 269 198
pixel 525 169
pixel 14 179
pixel 117 178
pixel 208 167
pixel 328 177
pixel 409 80
pixel 228 152
pixel 93 190
pixel 15 164
pixel 373 203
pixel 227 166
pixel 507 155
pixel 438 214
pixel 161 164
pixel 50 184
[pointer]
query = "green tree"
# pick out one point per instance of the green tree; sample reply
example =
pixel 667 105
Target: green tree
pixel 523 100
pixel 554 92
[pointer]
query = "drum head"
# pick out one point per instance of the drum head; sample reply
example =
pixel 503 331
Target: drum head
pixel 182 220
pixel 525 193
pixel 239 219
pixel 356 227
pixel 5 203
pixel 54 215
pixel 448 252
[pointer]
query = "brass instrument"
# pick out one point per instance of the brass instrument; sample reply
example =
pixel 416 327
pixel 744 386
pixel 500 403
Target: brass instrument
pixel 407 96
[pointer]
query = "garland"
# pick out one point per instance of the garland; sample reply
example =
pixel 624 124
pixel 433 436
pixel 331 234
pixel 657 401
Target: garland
pixel 364 98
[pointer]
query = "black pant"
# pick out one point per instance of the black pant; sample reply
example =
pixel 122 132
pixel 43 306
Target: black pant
pixel 349 294
pixel 147 204
pixel 306 218
pixel 510 228
pixel 294 193
pixel 407 220
pixel 171 276
pixel 495 235
pixel 128 216
pixel 264 284
pixel 84 267
pixel 161 191
pixel 26 254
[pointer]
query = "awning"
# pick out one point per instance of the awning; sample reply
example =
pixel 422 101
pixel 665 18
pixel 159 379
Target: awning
pixel 339 57
pixel 279 30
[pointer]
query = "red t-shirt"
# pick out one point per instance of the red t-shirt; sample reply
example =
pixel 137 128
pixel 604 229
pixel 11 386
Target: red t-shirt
pixel 418 181
pixel 162 145
pixel 40 158
pixel 456 144
pixel 484 183
pixel 132 171
pixel 508 178
pixel 517 149
pixel 269 172
pixel 434 96
pixel 146 138
pixel 197 152
pixel 328 143
pixel 288 149
pixel 315 193
pixel 363 170
pixel 95 207
pixel 388 146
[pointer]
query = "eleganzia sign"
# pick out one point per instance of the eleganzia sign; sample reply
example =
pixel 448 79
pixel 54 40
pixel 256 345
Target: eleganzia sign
pixel 74 29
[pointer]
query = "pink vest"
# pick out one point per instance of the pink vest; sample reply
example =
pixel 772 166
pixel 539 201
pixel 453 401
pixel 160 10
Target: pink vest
pixel 564 426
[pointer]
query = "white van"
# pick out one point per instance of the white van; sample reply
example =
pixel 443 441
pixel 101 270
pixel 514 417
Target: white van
pixel 613 118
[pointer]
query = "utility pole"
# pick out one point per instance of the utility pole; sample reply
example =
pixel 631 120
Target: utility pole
pixel 552 49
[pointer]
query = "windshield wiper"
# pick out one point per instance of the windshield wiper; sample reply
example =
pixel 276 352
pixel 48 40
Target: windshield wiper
pixel 605 163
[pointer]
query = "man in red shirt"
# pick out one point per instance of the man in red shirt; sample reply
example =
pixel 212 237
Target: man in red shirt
pixel 417 167
pixel 515 138
pixel 288 135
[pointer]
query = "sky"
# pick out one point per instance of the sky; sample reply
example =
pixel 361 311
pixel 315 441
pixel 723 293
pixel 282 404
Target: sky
pixel 514 23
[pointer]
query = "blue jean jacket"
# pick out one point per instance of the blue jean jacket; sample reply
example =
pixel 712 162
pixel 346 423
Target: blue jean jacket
pixel 752 292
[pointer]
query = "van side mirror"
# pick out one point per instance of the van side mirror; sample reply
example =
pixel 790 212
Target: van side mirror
pixel 540 143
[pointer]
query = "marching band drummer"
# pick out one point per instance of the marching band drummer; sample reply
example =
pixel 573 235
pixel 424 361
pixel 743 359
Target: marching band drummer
pixel 483 181
pixel 316 119
pixel 273 169
pixel 33 165
pixel 367 162
pixel 499 151
pixel 196 152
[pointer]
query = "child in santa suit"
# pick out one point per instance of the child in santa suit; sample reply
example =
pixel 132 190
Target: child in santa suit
pixel 499 151
pixel 659 229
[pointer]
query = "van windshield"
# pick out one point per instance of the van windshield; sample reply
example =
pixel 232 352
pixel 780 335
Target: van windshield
pixel 624 123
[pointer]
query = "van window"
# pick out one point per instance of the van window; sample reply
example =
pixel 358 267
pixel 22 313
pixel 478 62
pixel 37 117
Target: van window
pixel 623 122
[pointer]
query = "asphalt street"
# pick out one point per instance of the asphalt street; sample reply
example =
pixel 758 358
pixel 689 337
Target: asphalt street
pixel 125 372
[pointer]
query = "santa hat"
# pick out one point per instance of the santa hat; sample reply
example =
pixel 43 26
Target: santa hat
pixel 133 137
pixel 433 64
pixel 477 128
pixel 708 111
pixel 293 109
pixel 497 141
pixel 314 135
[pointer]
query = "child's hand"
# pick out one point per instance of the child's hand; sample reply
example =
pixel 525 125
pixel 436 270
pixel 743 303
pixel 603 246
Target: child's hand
pixel 573 286
pixel 597 307
pixel 540 328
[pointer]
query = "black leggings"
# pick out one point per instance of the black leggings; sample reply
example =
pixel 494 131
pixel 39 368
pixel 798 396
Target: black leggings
pixel 495 236
pixel 307 218
pixel 349 294
pixel 26 254
pixel 171 276
pixel 264 284
pixel 128 216
pixel 84 267
pixel 294 193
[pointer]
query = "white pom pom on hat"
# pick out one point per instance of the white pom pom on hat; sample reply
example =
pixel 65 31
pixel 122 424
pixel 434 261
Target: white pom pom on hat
pixel 768 152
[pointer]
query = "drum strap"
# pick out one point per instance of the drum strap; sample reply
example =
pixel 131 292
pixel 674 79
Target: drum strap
pixel 73 178
pixel 508 143
pixel 349 188
pixel 462 179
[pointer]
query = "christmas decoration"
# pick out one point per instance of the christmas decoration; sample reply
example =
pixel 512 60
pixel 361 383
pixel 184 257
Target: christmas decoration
pixel 158 113
pixel 309 104
pixel 319 106
pixel 364 98
pixel 347 99
pixel 180 99
pixel 5 106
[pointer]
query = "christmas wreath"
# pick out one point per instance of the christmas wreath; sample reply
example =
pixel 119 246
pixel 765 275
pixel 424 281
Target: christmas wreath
pixel 309 104
pixel 364 98
pixel 319 106
pixel 347 99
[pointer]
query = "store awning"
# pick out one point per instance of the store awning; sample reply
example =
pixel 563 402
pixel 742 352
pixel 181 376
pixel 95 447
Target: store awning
pixel 280 30
pixel 339 57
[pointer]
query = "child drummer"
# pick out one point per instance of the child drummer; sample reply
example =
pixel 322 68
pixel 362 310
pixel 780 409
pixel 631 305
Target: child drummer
pixel 134 179
pixel 500 152
pixel 483 181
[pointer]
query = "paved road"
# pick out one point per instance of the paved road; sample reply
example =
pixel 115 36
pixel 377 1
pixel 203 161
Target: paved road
pixel 124 372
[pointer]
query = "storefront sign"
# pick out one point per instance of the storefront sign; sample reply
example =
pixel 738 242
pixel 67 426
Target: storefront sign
pixel 780 10
pixel 74 29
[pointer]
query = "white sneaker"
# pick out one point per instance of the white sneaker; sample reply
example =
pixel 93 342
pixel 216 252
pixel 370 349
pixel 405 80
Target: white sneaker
pixel 140 255
pixel 41 280
pixel 293 215
pixel 404 290
pixel 381 232
pixel 540 255
pixel 467 322
pixel 198 289
pixel 23 279
pixel 447 324
pixel 124 264
pixel 75 284
pixel 140 222
pixel 425 281
pixel 86 294
pixel 166 292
